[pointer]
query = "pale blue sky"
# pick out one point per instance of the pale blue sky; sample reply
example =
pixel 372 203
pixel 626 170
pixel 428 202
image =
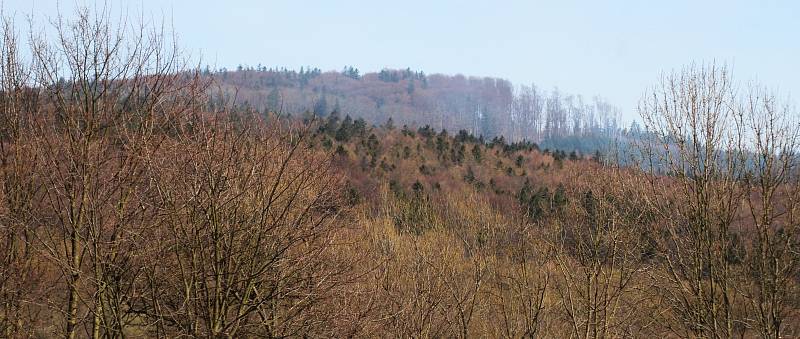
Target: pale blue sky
pixel 610 48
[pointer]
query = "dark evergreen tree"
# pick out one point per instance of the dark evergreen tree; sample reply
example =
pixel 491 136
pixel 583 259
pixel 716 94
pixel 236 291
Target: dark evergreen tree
pixel 476 153
pixel 389 124
pixel 345 130
pixel 359 127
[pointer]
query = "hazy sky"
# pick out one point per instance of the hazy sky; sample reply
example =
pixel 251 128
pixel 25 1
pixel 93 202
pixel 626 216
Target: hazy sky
pixel 615 49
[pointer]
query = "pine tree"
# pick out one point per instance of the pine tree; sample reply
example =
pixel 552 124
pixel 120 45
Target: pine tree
pixel 345 130
pixel 389 124
pixel 476 153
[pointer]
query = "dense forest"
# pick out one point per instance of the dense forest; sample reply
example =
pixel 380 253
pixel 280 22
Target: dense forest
pixel 489 107
pixel 143 197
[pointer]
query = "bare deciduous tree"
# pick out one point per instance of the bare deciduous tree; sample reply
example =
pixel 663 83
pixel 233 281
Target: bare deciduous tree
pixel 771 262
pixel 245 232
pixel 599 257
pixel 520 286
pixel 20 269
pixel 695 138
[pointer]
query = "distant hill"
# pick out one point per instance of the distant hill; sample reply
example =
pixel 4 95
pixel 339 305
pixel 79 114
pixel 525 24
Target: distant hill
pixel 485 106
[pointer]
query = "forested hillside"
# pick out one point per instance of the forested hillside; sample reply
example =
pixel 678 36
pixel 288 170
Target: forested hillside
pixel 481 106
pixel 140 198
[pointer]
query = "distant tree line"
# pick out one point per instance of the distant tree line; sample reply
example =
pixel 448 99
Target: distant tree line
pixel 482 106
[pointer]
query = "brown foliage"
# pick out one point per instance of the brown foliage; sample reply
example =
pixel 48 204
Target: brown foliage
pixel 130 208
